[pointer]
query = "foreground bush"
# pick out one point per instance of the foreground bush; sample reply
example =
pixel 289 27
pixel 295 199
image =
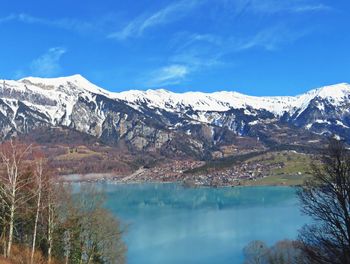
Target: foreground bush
pixel 283 252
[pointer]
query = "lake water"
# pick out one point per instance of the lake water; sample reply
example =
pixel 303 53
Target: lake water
pixel 168 223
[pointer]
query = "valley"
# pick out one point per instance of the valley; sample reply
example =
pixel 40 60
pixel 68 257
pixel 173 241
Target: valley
pixel 205 139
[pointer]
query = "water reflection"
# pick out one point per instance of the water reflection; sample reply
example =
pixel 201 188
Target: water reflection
pixel 172 224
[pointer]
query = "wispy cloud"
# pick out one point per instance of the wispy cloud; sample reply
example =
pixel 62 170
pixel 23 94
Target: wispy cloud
pixel 270 39
pixel 312 8
pixel 48 64
pixel 62 23
pixel 198 58
pixel 182 8
pixel 201 52
pixel 278 6
pixel 7 19
pixel 198 52
pixel 168 14
pixel 169 75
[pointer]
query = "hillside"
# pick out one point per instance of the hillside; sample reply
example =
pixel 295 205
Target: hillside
pixel 82 123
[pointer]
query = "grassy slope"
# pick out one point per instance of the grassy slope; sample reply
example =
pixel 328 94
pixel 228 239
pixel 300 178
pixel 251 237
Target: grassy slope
pixel 283 167
pixel 294 171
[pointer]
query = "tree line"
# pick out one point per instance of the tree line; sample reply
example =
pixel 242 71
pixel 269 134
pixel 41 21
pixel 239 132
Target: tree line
pixel 325 198
pixel 45 221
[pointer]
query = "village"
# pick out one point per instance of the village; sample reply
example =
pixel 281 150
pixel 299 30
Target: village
pixel 177 171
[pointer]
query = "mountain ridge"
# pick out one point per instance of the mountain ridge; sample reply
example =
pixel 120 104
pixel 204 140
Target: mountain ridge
pixel 222 97
pixel 193 123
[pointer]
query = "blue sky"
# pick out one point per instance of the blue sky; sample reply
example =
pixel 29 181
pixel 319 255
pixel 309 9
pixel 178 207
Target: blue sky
pixel 257 47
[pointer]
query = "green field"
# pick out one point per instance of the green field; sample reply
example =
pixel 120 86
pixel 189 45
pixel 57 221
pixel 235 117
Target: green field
pixel 288 168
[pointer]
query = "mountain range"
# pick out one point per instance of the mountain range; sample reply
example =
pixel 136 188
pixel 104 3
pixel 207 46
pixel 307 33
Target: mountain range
pixel 194 124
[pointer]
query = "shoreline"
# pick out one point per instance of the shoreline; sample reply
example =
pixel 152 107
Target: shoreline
pixel 112 178
pixel 277 169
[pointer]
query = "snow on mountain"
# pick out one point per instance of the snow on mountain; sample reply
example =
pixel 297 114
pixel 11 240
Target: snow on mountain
pixel 75 102
pixel 77 80
pixel 72 86
pixel 198 101
pixel 224 101
pixel 335 94
pixel 54 97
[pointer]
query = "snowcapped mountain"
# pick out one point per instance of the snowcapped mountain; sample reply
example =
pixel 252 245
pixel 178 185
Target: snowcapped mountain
pixel 197 101
pixel 162 120
pixel 324 110
pixel 224 101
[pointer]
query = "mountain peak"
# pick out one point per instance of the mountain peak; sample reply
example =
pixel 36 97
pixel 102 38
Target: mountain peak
pixel 76 79
pixel 71 101
pixel 201 101
pixel 160 90
pixel 337 92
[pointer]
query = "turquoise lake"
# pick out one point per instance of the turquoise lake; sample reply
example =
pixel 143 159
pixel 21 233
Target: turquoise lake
pixel 168 223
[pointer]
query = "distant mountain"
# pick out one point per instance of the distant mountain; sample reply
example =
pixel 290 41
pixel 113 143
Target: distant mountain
pixel 193 124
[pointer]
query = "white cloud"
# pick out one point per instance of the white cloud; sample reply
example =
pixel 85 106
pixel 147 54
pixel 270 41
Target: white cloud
pixel 48 64
pixel 62 23
pixel 168 75
pixel 7 18
pixel 278 6
pixel 201 52
pixel 197 51
pixel 166 15
pixel 269 38
pixel 208 50
pixel 182 8
pixel 312 8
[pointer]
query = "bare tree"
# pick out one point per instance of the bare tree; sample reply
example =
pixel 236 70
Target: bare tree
pixel 256 252
pixel 95 234
pixel 3 220
pixel 102 238
pixel 13 181
pixel 326 198
pixel 72 227
pixel 52 204
pixel 41 183
pixel 286 252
